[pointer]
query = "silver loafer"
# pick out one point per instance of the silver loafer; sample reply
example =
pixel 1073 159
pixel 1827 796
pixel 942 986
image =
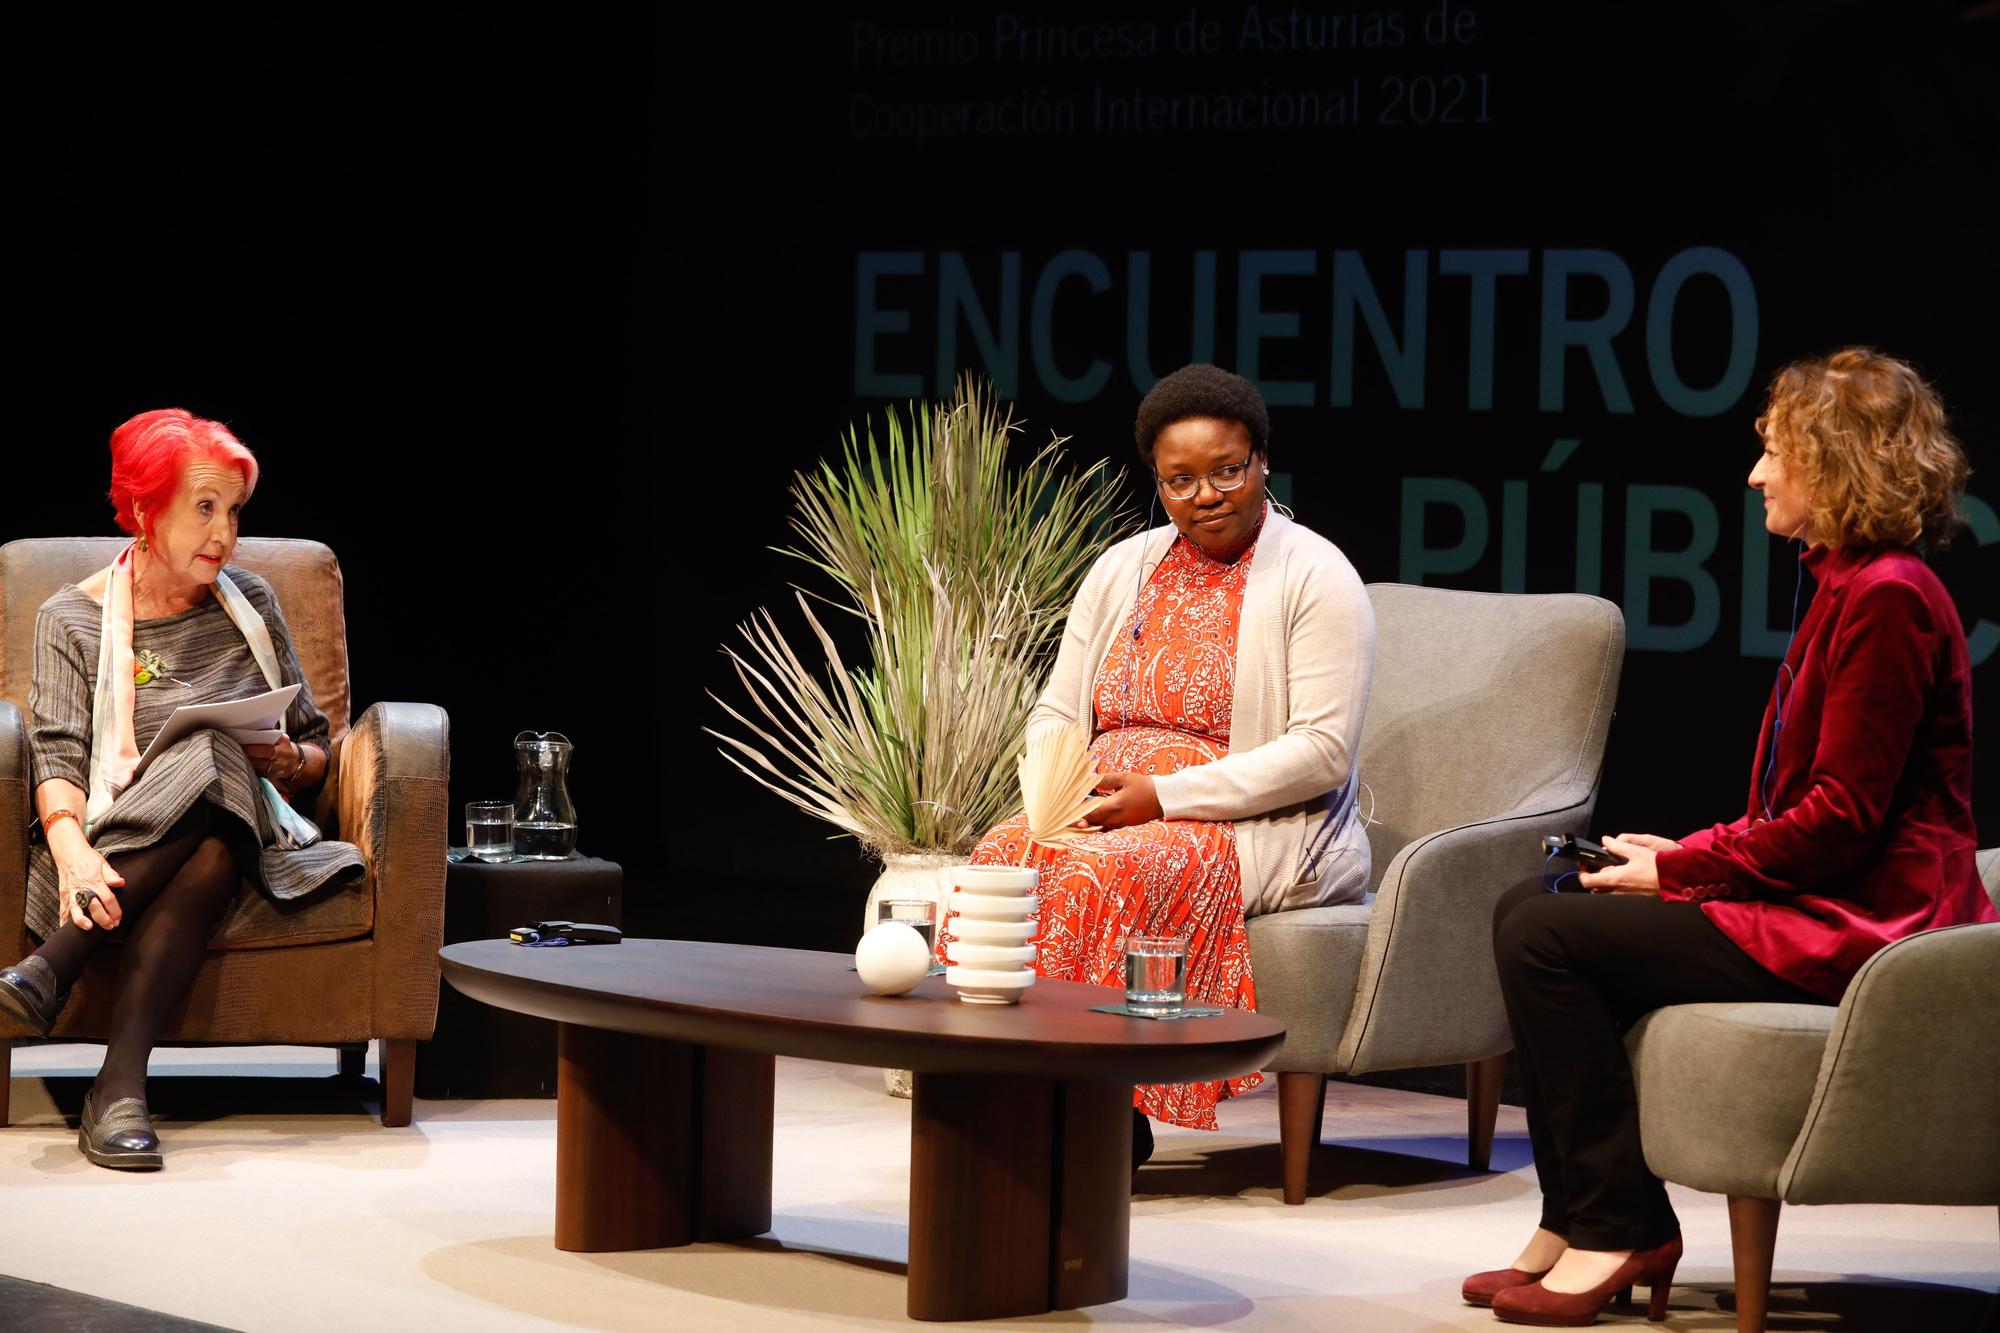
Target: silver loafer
pixel 121 1138
pixel 28 993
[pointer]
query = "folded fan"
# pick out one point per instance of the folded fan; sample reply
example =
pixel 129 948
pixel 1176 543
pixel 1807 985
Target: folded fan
pixel 1058 786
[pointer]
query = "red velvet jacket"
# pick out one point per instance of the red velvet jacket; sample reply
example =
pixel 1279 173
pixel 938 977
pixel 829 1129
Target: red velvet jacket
pixel 1871 835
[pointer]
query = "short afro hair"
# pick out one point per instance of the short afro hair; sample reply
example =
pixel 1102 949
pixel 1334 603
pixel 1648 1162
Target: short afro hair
pixel 1202 390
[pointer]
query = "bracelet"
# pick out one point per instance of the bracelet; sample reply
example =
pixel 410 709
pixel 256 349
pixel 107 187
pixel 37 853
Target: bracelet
pixel 55 817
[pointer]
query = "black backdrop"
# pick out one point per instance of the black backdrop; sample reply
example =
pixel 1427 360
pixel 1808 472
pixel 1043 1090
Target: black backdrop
pixel 531 319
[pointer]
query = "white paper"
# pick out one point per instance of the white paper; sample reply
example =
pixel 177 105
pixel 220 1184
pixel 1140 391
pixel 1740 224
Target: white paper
pixel 256 720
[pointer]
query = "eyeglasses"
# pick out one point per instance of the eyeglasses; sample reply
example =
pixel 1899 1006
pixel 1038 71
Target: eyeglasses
pixel 1229 477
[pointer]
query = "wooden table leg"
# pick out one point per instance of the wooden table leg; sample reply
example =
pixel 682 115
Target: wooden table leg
pixel 659 1143
pixel 1094 1207
pixel 732 1153
pixel 1020 1195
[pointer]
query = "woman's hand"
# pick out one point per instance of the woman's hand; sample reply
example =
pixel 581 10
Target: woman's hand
pixel 284 762
pixel 278 761
pixel 1639 874
pixel 1131 799
pixel 79 869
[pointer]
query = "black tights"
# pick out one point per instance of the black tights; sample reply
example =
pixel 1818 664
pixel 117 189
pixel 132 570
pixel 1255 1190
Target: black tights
pixel 174 893
pixel 1577 970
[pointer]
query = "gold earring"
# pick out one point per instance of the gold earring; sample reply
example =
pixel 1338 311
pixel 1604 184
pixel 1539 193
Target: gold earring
pixel 143 546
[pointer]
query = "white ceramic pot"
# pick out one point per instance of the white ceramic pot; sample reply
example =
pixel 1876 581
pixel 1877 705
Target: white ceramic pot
pixel 908 875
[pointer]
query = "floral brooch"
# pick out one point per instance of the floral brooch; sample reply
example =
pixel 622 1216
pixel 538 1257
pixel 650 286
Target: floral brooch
pixel 148 666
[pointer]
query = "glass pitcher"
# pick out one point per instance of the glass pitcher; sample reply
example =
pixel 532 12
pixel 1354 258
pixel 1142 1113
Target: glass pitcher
pixel 544 819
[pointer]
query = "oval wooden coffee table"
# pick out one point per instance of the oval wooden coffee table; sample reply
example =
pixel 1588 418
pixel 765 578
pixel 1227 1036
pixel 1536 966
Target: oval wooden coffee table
pixel 1021 1128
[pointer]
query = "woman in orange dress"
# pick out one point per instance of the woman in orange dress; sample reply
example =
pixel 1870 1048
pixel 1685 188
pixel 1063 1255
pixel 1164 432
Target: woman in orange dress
pixel 1220 665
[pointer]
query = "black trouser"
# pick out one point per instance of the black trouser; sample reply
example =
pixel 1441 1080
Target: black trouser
pixel 1576 971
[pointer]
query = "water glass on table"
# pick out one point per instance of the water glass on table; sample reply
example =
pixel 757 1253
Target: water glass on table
pixel 1155 973
pixel 919 914
pixel 489 830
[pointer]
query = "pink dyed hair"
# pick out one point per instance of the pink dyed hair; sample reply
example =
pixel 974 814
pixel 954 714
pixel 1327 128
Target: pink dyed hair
pixel 149 453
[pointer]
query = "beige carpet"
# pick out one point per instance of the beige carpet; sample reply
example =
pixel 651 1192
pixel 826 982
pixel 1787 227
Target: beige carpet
pixel 299 1213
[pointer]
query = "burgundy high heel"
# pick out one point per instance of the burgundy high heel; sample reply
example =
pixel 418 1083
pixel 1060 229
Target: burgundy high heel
pixel 1536 1304
pixel 1479 1289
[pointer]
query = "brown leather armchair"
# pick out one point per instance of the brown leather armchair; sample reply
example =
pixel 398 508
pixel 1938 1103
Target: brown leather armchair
pixel 339 968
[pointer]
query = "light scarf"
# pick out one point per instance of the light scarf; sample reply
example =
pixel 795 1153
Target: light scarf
pixel 114 743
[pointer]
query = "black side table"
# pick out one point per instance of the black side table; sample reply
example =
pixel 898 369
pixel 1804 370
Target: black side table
pixel 480 1051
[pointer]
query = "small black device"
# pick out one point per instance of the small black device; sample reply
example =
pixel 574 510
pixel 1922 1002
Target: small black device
pixel 548 933
pixel 1587 854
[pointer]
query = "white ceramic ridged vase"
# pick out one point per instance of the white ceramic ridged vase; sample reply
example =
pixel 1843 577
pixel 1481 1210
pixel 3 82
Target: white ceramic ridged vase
pixel 990 921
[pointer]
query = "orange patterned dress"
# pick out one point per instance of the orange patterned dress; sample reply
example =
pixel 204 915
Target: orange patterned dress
pixel 1163 704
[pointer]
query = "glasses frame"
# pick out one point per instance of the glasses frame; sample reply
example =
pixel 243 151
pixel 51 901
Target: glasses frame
pixel 1212 477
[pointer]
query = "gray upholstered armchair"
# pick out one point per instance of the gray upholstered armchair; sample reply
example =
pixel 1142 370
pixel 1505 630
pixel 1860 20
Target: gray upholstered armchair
pixel 1894 1097
pixel 1486 729
pixel 339 968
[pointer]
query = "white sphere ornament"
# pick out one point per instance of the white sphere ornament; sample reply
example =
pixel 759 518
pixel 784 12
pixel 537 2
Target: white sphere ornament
pixel 892 958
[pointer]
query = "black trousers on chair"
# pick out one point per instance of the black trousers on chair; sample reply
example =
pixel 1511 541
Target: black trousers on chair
pixel 1576 971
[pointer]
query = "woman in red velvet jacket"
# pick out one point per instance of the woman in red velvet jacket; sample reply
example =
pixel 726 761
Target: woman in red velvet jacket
pixel 1858 831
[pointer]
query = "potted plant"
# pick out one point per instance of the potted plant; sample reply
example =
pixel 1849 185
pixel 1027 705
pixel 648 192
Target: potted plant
pixel 957 564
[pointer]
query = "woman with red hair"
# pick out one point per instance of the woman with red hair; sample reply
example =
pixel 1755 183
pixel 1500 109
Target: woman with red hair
pixel 154 857
pixel 1857 831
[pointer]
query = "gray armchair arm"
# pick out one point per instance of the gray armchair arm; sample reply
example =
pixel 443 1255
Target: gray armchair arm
pixel 395 768
pixel 1907 1108
pixel 16 810
pixel 1428 992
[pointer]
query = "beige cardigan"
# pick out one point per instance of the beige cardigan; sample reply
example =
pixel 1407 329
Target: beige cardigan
pixel 1304 657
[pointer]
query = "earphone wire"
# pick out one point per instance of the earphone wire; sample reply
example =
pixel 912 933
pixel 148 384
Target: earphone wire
pixel 1553 883
pixel 1138 616
pixel 1340 813
pixel 1782 687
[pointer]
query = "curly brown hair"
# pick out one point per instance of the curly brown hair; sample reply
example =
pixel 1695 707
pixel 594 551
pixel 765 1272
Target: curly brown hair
pixel 1868 439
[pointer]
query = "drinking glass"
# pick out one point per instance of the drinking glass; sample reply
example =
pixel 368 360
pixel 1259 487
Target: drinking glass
pixel 489 830
pixel 919 914
pixel 1155 973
